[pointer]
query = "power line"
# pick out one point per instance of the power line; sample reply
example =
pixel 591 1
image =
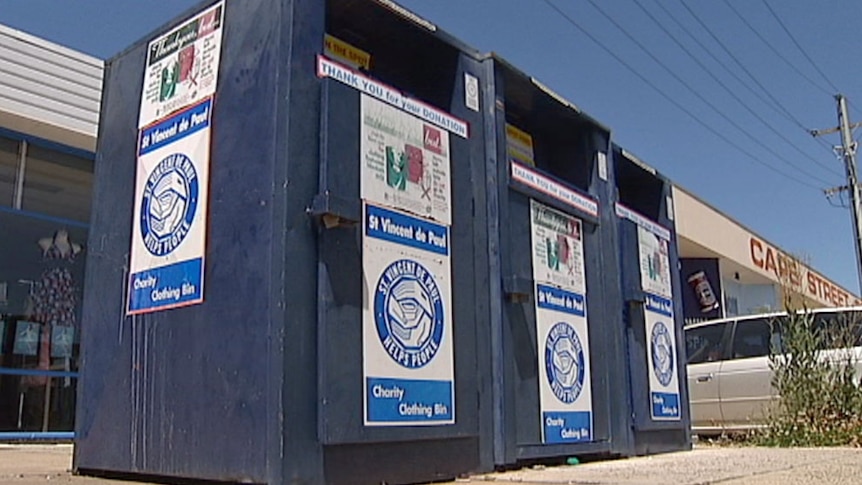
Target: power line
pixel 697 94
pixel 674 102
pixel 742 82
pixel 776 51
pixel 799 46
pixel 805 53
pixel 735 96
pixel 744 69
pixel 740 65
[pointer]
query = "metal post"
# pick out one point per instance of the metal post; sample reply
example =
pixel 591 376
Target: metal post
pixel 849 153
pixel 19 179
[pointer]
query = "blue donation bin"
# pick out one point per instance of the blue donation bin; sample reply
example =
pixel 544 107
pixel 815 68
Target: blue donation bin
pixel 649 265
pixel 287 280
pixel 557 341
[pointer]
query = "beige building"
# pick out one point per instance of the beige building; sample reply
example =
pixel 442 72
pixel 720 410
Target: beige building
pixel 49 113
pixel 749 274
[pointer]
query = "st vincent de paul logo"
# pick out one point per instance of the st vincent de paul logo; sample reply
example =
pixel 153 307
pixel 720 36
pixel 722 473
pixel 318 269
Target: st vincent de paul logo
pixel 408 311
pixel 564 362
pixel 169 203
pixel 662 353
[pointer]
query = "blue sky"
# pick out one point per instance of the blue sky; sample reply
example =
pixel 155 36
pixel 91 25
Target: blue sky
pixel 727 170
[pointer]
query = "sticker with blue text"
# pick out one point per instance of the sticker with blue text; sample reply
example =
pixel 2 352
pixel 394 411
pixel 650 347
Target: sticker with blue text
pixel 407 320
pixel 170 214
pixel 565 390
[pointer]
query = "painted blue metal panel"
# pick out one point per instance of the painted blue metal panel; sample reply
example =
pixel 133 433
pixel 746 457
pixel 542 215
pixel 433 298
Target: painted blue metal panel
pixel 256 383
pixel 648 194
pixel 449 449
pixel 190 392
pixel 567 145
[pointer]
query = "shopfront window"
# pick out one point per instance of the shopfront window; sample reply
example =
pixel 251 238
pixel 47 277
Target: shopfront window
pixel 57 184
pixel 8 170
pixel 42 259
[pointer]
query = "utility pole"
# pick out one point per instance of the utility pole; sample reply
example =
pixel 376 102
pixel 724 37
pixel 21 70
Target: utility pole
pixel 848 152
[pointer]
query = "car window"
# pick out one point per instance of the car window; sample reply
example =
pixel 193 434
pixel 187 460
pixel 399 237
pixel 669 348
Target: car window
pixel 839 329
pixel 705 344
pixel 755 338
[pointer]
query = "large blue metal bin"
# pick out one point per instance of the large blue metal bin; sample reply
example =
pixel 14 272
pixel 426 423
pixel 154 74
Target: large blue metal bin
pixel 558 341
pixel 342 333
pixel 652 310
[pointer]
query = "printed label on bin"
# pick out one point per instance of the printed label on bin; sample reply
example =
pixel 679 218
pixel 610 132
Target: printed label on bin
pixel 408 362
pixel 654 260
pixel 182 66
pixel 471 91
pixel 654 254
pixel 170 214
pixel 346 53
pixel 550 298
pixel 406 400
pixel 536 181
pixel 558 255
pixel 624 212
pixel 665 406
pixel 567 427
pixel 565 392
pixel 404 162
pixel 519 146
pixel 400 228
pixel 662 358
pixel 327 68
pixel 565 377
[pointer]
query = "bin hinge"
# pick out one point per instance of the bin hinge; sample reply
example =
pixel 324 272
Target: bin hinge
pixel 332 211
pixel 518 289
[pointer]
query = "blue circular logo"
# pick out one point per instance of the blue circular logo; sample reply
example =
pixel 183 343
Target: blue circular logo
pixel 169 203
pixel 409 313
pixel 662 353
pixel 564 362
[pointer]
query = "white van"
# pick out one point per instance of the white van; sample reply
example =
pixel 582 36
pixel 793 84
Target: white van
pixel 729 379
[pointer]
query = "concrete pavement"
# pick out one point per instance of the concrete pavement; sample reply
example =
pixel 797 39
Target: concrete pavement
pixel 41 465
pixel 705 465
pixel 49 464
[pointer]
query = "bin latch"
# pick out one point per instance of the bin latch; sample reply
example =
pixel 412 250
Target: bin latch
pixel 517 289
pixel 332 211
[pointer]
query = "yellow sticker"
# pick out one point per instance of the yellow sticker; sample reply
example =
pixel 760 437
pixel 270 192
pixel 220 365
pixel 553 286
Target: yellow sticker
pixel 519 145
pixel 338 49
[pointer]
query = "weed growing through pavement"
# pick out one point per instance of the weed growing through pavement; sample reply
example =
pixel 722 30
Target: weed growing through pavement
pixel 814 375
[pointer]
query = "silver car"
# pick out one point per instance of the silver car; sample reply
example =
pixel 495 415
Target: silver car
pixel 729 379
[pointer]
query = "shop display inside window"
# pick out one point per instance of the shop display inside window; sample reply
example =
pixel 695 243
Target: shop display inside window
pixel 38 335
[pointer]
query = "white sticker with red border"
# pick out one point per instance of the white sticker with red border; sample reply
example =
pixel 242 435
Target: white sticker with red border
pixel 556 190
pixel 390 95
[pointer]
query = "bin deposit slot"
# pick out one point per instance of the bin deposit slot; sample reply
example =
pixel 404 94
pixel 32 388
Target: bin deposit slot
pixel 545 133
pixel 404 55
pixel 639 187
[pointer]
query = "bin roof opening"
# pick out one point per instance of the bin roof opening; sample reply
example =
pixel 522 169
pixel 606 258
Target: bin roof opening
pixel 564 138
pixel 404 54
pixel 640 187
pixel 525 98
